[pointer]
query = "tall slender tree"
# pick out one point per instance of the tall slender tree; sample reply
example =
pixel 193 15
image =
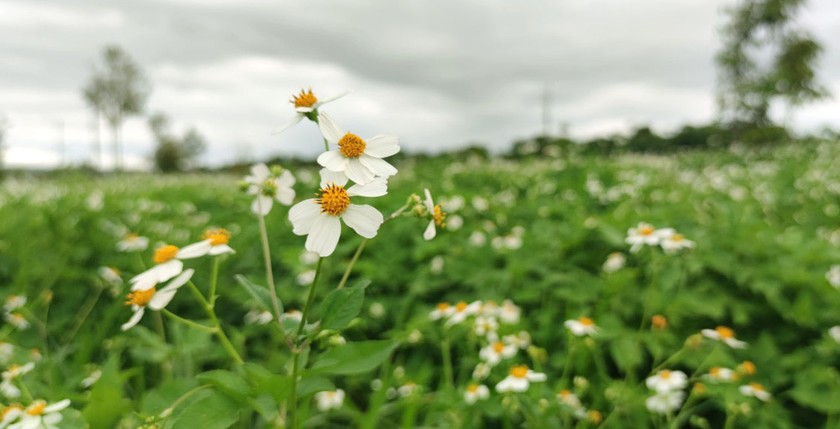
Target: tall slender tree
pixel 116 92
pixel 765 57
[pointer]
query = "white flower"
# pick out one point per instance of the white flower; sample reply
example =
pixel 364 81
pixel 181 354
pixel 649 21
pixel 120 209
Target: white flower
pixel 666 380
pixel 519 379
pixel 306 104
pixel 92 378
pixel 267 186
pixel 475 392
pixel 10 414
pixel 6 352
pixel 13 302
pixel 755 390
pixel 218 239
pixel 39 415
pixel 481 371
pixel 437 264
pixel 319 217
pixel 665 402
pixel 305 278
pixel 643 234
pixel 154 299
pixel 443 309
pixel 581 326
pixel 486 326
pixel 454 223
pixel 17 320
pixel 408 389
pixel 834 332
pixel 258 317
pixel 437 216
pixel 477 239
pixel 672 241
pixel 718 374
pixel 724 334
pixel 495 352
pixel 569 399
pixel 509 312
pixel 615 261
pixel 833 276
pixel 168 264
pixel 9 390
pixel 521 340
pixel 330 399
pixel 111 276
pixel 359 159
pixel 461 311
pixel 16 371
pixel 132 243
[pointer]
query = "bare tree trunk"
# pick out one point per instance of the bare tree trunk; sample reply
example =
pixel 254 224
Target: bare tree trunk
pixel 97 144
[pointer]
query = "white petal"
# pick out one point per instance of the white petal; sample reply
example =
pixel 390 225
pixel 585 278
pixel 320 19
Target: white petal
pixel 330 99
pixel 260 172
pixel 332 178
pixel 382 146
pixel 376 188
pixel 378 166
pixel 333 160
pixel 221 249
pixel 161 299
pixel 134 319
pixel 261 205
pixel 358 172
pixel 430 205
pixel 303 215
pixel 365 220
pixel 286 179
pixel 324 235
pixel 332 132
pixel 145 280
pixel 430 231
pixel 169 269
pixel 58 406
pixel 179 281
pixel 304 109
pixel 285 196
pixel 294 120
pixel 195 250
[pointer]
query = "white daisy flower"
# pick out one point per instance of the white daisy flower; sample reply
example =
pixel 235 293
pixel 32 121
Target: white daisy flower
pixel 13 302
pixel 329 399
pixel 755 390
pixel 569 399
pixel 509 312
pixel 665 402
pixel 461 311
pixel 17 320
pixel 672 242
pixel 666 380
pixel 718 374
pixel 318 218
pixel 306 105
pixel 168 264
pixel 111 276
pixel 495 352
pixel 361 160
pixel 486 326
pixel 40 415
pixel 9 390
pixel 519 379
pixel 521 340
pixel 132 242
pixel 269 185
pixel 833 276
pixel 615 261
pixel 218 239
pixel 258 317
pixel 581 326
pixel 153 298
pixel 16 371
pixel 6 352
pixel 481 371
pixel 408 389
pixel 476 392
pixel 834 332
pixel 438 216
pixel 726 335
pixel 641 235
pixel 9 414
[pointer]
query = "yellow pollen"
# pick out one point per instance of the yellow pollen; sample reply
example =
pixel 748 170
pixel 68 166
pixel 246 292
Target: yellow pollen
pixel 677 237
pixel 699 388
pixel 664 374
pixel 443 306
pixel 565 393
pixel 715 372
pixel 9 409
pixel 351 145
pixel 498 346
pixel 304 99
pixel 519 371
pixel 757 387
pixel 333 200
pixel 217 237
pixel 131 236
pixel 585 321
pixel 646 230
pixel 659 321
pixel 472 388
pixel 461 306
pixel 747 367
pixel 440 217
pixel 37 409
pixel 725 333
pixel 140 297
pixel 165 253
pixel 595 416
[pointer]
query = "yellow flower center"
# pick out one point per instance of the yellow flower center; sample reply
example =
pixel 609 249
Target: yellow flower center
pixel 665 374
pixel 699 388
pixel 140 297
pixel 585 321
pixel 498 346
pixel 443 306
pixel 461 306
pixel 725 333
pixel 519 371
pixel 217 237
pixel 5 411
pixel 677 237
pixel 757 387
pixel 747 367
pixel 304 99
pixel 659 321
pixel 131 236
pixel 715 372
pixel 646 230
pixel 165 253
pixel 333 200
pixel 351 145
pixel 439 216
pixel 472 388
pixel 595 416
pixel 565 393
pixel 37 409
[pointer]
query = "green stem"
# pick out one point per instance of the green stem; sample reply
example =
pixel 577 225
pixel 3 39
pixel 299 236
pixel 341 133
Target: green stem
pixel 730 420
pixel 297 348
pixel 352 263
pixel 269 274
pixel 448 379
pixel 188 322
pixel 649 294
pixel 220 333
pixel 214 277
pixel 568 366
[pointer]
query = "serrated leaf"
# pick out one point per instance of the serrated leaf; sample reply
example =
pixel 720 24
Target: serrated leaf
pixel 354 358
pixel 107 402
pixel 208 409
pixel 340 307
pixel 260 294
pixel 311 385
pixel 231 383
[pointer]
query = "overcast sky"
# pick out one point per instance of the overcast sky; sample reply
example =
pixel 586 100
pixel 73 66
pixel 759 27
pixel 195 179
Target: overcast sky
pixel 438 73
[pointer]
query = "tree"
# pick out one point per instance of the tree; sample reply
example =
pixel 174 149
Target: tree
pixel 174 153
pixel 765 57
pixel 117 92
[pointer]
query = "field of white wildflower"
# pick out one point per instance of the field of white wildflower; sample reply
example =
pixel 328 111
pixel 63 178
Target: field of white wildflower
pixel 371 289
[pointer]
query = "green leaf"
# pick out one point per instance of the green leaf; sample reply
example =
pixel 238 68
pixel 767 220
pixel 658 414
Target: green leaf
pixel 207 409
pixel 354 358
pixel 107 403
pixel 311 385
pixel 627 352
pixel 259 293
pixel 228 382
pixel 819 389
pixel 341 305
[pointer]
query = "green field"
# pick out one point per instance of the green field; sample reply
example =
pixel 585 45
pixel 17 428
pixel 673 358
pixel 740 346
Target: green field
pixel 535 229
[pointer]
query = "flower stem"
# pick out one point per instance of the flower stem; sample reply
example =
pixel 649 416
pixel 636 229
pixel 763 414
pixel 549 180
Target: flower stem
pixel 352 263
pixel 296 349
pixel 269 274
pixel 310 298
pixel 214 277
pixel 220 333
pixel 188 322
pixel 447 363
